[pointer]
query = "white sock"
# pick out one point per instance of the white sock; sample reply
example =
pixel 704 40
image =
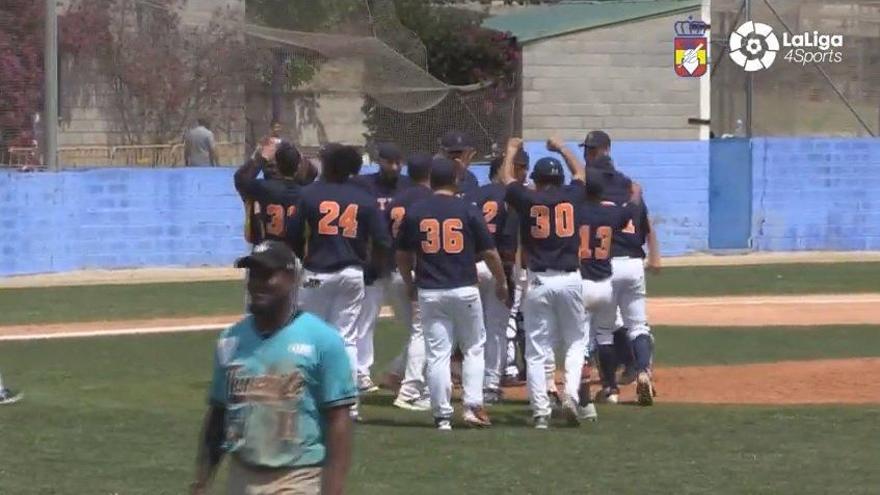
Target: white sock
pixel 1 382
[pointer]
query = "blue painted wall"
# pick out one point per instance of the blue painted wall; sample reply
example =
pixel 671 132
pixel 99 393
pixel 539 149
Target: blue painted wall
pixel 118 218
pixel 816 194
pixel 807 194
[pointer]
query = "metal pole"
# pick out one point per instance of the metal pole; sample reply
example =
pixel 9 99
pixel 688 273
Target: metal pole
pixel 749 82
pixel 50 72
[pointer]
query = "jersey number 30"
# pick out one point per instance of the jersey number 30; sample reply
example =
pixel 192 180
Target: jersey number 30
pixel 347 221
pixel 563 216
pixel 449 236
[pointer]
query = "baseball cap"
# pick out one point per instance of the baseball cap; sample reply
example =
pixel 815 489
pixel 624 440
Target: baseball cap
pixel 443 171
pixel 418 164
pixel 596 139
pixel 521 158
pixel 274 255
pixel 456 141
pixel 389 151
pixel 547 168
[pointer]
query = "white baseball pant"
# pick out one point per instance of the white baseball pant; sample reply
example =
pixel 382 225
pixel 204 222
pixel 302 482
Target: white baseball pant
pixel 553 306
pixel 453 316
pixel 629 296
pixel 598 298
pixel 336 298
pixel 408 314
pixel 374 296
pixel 520 277
pixel 495 316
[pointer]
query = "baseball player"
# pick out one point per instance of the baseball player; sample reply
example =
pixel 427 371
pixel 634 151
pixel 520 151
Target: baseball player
pixel 413 391
pixel 628 263
pixel 553 303
pixel 490 199
pixel 272 199
pixel 343 226
pixel 382 185
pixel 598 223
pixel 459 147
pixel 8 396
pixel 280 393
pixel 442 237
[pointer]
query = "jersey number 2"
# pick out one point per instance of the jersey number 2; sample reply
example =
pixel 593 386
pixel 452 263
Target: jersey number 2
pixel 348 219
pixel 451 238
pixel 490 211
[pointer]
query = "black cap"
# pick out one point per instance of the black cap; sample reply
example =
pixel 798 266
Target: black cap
pixel 274 255
pixel 521 158
pixel 547 168
pixel 419 164
pixel 443 171
pixel 603 162
pixel 456 141
pixel 596 139
pixel 389 151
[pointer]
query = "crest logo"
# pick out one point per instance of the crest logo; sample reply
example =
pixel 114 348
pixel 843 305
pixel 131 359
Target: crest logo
pixel 691 48
pixel 753 46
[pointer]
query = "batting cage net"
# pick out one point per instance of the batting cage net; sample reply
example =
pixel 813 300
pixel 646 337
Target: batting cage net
pixel 136 75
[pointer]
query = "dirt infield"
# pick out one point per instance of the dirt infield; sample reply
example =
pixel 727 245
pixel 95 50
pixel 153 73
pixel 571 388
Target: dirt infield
pixel 824 381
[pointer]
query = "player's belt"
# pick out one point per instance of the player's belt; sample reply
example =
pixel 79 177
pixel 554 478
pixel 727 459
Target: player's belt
pixel 548 270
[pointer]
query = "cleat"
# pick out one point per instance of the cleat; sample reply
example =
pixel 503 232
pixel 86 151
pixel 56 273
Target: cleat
pixel 645 389
pixel 8 397
pixel 418 404
pixel 443 424
pixel 608 396
pixel 492 396
pixel 366 385
pixel 571 412
pixel 542 422
pixel 512 381
pixel 588 413
pixel 355 416
pixel 476 417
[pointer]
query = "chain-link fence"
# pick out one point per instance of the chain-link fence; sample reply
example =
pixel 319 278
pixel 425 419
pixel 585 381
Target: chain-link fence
pixel 795 97
pixel 138 79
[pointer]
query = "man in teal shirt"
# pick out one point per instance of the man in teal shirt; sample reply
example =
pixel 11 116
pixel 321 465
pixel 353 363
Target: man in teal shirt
pixel 280 393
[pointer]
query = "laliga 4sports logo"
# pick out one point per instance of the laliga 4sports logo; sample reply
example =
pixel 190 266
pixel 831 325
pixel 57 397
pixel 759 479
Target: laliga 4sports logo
pixel 754 45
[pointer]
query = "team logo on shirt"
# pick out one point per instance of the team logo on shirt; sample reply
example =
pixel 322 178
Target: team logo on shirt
pixel 226 349
pixel 691 55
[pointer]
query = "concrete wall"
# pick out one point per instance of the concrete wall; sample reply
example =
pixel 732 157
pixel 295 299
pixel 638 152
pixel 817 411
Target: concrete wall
pixel 815 194
pixel 618 78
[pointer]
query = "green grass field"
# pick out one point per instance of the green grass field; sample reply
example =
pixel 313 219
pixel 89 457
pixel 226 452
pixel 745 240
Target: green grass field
pixel 120 415
pixel 120 302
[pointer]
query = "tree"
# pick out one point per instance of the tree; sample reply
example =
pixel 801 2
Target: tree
pixel 21 70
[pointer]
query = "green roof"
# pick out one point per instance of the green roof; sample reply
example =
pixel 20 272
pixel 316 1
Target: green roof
pixel 534 23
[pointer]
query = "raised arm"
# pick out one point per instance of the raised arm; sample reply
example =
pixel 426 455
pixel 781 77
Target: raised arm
pixel 506 172
pixel 575 166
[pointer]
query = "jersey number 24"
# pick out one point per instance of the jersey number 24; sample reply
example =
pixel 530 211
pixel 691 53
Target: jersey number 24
pixel 328 224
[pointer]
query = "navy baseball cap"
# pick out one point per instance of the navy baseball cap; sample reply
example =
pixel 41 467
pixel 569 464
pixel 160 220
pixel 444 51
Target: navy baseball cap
pixel 456 141
pixel 596 139
pixel 389 151
pixel 419 164
pixel 273 255
pixel 547 168
pixel 443 171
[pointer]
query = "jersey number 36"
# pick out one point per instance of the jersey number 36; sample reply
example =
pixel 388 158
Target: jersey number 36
pixel 448 235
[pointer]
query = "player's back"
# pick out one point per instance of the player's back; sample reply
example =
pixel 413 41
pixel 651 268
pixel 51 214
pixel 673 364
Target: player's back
pixel 402 202
pixel 547 225
pixel 598 224
pixel 342 219
pixel 277 199
pixel 446 233
pixel 382 189
pixel 630 241
pixel 490 199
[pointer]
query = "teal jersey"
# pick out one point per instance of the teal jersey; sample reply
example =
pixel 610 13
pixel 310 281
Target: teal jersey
pixel 274 390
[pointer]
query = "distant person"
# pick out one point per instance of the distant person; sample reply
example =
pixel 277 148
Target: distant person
pixel 200 150
pixel 7 396
pixel 280 393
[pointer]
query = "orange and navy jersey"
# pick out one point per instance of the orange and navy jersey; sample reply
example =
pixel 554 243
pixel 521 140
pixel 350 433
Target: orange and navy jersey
pixel 598 225
pixel 382 188
pixel 338 222
pixel 547 224
pixel 446 234
pixel 270 204
pixel 401 203
pixel 490 199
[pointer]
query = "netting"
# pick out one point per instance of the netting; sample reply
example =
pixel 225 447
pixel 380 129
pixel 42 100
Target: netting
pixel 136 75
pixel 818 109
